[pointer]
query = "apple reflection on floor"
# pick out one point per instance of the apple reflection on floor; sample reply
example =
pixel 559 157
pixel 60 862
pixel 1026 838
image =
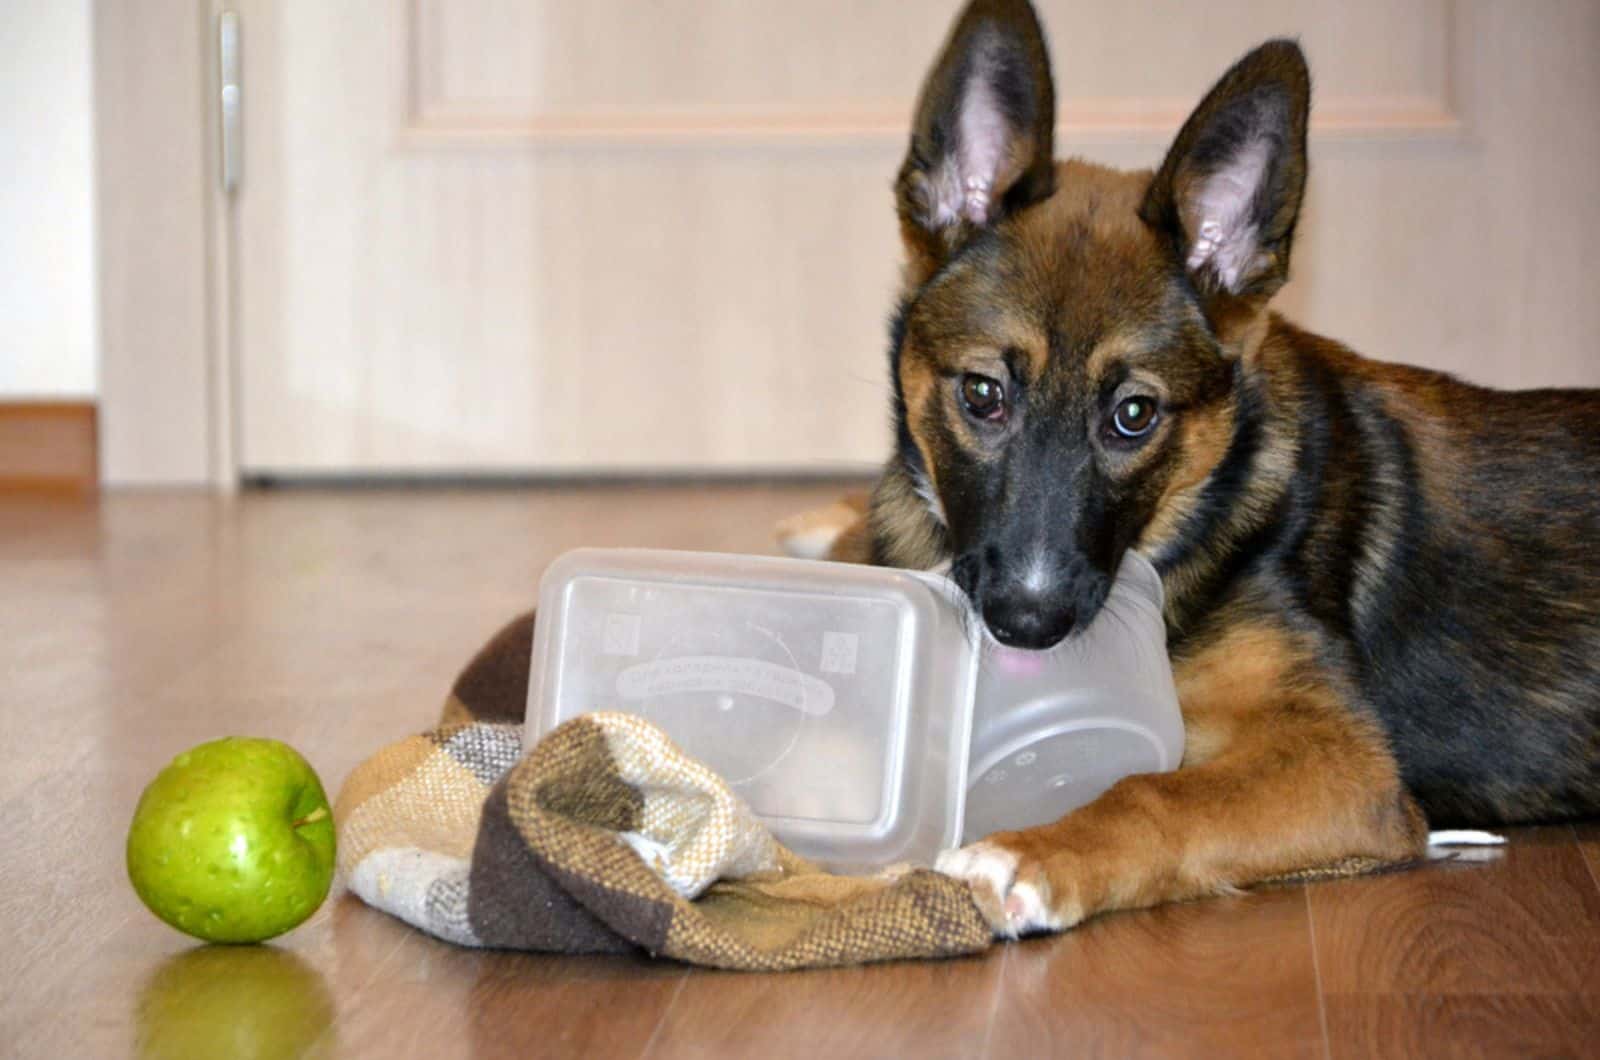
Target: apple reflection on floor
pixel 234 1001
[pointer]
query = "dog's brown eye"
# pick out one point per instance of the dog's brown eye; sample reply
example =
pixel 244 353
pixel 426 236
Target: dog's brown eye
pixel 1135 416
pixel 984 397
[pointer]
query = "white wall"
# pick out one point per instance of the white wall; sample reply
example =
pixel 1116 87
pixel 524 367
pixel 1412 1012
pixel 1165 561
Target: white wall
pixel 49 336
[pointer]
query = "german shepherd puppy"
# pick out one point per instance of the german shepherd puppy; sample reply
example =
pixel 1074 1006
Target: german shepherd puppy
pixel 1383 584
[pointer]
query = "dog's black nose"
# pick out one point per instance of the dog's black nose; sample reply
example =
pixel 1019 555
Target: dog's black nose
pixel 1023 620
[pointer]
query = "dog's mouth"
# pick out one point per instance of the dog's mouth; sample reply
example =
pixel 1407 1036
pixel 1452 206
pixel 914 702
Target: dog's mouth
pixel 1033 614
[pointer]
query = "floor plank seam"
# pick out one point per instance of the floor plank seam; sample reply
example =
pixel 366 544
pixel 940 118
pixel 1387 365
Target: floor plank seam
pixel 330 1034
pixel 1583 855
pixel 1316 973
pixel 666 1010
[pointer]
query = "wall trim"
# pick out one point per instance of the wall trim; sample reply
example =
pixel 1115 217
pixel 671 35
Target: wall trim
pixel 49 445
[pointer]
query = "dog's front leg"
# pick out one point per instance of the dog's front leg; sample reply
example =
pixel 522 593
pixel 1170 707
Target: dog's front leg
pixel 1280 775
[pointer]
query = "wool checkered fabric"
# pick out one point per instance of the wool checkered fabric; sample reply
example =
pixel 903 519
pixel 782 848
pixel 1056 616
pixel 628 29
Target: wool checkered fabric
pixel 606 838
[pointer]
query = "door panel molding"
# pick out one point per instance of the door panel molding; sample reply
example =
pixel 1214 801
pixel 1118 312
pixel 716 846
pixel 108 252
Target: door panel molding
pixel 441 114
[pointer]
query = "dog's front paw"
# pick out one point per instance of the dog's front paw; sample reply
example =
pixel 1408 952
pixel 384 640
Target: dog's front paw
pixel 1013 891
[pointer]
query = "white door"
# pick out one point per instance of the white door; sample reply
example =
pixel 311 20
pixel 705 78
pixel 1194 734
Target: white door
pixel 591 235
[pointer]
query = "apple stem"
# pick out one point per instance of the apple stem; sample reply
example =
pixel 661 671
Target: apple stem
pixel 312 818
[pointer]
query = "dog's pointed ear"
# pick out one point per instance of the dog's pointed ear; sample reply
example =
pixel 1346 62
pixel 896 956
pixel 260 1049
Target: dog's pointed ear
pixel 1228 194
pixel 982 137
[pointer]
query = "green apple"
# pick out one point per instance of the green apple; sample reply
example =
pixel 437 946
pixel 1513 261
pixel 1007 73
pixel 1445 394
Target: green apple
pixel 233 842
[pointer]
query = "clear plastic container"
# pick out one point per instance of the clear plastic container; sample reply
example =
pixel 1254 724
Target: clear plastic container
pixel 844 703
pixel 835 699
pixel 1054 729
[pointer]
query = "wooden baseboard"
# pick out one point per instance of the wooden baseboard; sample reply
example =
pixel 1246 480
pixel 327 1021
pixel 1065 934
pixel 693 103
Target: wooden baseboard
pixel 49 446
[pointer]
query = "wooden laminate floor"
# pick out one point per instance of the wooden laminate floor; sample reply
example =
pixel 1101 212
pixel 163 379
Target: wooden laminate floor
pixel 135 627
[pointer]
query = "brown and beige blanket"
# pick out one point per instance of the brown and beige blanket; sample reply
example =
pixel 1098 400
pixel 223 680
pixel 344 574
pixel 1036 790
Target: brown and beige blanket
pixel 606 838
